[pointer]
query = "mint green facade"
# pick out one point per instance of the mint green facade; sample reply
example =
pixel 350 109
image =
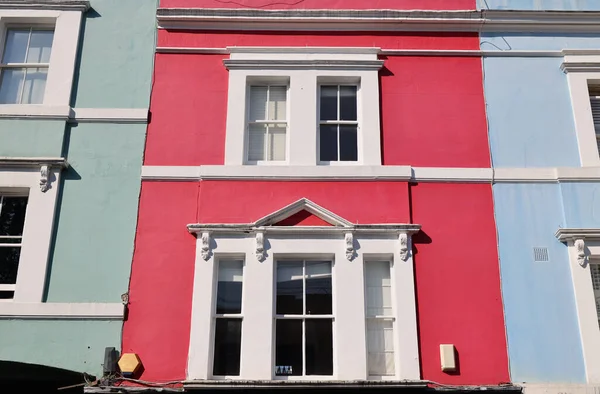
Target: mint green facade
pixel 96 214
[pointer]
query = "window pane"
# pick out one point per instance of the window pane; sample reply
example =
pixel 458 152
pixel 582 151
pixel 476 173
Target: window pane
pixel 277 102
pixel 12 215
pixel 9 263
pixel 347 102
pixel 595 272
pixel 11 82
pixel 380 345
pixel 40 46
pixel 289 288
pixel 348 143
pixel 229 287
pixel 378 288
pixel 35 84
pixel 7 295
pixel 288 347
pixel 318 288
pixel 329 102
pixel 256 142
pixel 277 142
pixel 258 103
pixel 16 46
pixel 319 347
pixel 328 143
pixel 228 339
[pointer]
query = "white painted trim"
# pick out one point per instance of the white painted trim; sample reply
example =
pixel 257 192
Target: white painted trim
pixel 302 204
pixel 583 244
pixel 43 310
pixel 378 20
pixel 73 115
pixel 109 115
pixel 359 172
pixel 71 5
pixel 67 25
pixel 393 52
pixel 257 348
pixel 582 68
pixel 304 68
pixel 197 384
pixel 39 221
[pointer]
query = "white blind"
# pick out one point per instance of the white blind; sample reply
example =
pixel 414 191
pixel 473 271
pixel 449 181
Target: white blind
pixel 380 330
pixel 230 271
pixel 379 289
pixel 267 123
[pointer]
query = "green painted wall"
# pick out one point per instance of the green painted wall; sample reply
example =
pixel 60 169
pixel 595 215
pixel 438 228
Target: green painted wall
pixel 47 341
pixel 29 138
pixel 97 214
pixel 92 249
pixel 117 55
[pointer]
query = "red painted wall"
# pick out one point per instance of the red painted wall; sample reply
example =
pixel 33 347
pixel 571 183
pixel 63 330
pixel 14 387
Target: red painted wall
pixel 432 108
pixel 458 293
pixel 326 4
pixel 458 282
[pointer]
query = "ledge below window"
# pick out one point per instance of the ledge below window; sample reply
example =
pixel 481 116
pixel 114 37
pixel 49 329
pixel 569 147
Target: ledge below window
pixel 70 311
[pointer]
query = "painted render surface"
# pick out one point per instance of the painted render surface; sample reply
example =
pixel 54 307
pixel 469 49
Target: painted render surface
pixel 541 5
pixel 544 345
pixel 90 256
pixel 456 131
pixel 163 243
pixel 328 4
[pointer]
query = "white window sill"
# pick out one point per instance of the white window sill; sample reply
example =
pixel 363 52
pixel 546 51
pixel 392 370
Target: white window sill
pixel 75 311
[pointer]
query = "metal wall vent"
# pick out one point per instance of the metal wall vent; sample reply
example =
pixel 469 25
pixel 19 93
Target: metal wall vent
pixel 540 254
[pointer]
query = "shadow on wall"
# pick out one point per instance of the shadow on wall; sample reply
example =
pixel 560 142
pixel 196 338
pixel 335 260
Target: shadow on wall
pixel 91 13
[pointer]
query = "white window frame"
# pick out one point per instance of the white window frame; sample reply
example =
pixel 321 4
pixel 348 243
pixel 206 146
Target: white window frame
pixel 303 317
pixel 261 245
pixel 268 82
pixel 216 315
pixel 59 81
pixel 583 69
pixel 583 245
pixel 39 222
pixel 305 68
pixel 330 82
pixel 391 318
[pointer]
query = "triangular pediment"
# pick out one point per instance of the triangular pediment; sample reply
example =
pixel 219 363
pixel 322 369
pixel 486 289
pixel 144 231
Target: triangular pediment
pixel 303 213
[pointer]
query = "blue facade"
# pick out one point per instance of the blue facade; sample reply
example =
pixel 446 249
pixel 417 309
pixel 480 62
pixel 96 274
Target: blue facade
pixel 531 125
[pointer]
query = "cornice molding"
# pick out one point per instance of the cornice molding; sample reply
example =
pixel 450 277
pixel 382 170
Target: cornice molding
pixel 68 311
pixel 248 64
pixel 572 234
pixel 34 162
pixel 379 20
pixel 59 5
pixel 73 115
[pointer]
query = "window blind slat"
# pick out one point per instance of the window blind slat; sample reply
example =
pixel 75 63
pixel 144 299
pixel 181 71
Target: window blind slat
pixel 258 103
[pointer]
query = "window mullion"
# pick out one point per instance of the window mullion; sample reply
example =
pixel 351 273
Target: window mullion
pixel 304 319
pixel 339 142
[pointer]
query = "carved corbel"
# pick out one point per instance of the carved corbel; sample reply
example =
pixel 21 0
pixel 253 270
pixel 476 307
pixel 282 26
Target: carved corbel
pixel 349 240
pixel 205 248
pixel 261 254
pixel 44 178
pixel 403 239
pixel 580 250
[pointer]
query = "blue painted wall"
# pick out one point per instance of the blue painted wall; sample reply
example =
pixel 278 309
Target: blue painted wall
pixel 564 5
pixel 541 319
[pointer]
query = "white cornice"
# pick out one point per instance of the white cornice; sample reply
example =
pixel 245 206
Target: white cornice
pixel 374 173
pixel 379 20
pixel 73 115
pixel 570 234
pixel 33 162
pixel 60 5
pixel 246 64
pixel 70 311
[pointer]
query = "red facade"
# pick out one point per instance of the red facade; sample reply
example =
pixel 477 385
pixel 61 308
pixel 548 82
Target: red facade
pixel 432 114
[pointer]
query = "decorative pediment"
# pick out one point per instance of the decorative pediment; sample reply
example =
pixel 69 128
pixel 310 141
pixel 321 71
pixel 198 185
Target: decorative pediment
pixel 303 213
pixel 304 217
